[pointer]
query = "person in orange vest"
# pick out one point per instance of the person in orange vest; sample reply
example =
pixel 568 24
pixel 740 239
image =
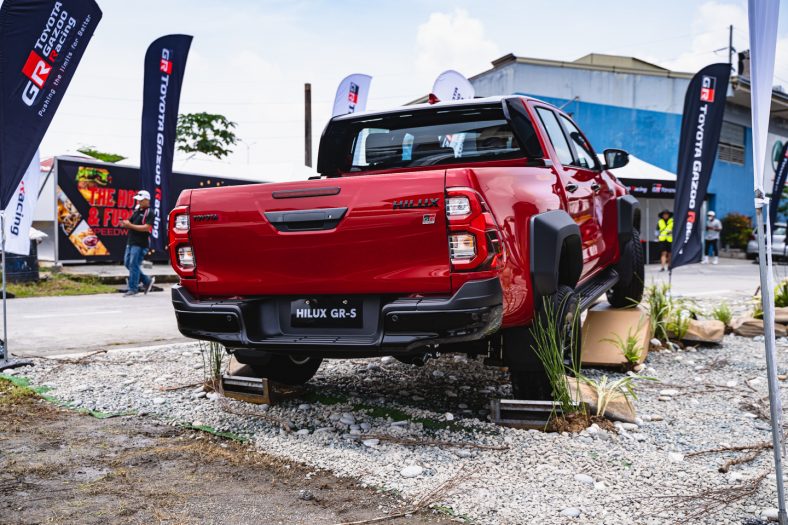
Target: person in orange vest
pixel 665 237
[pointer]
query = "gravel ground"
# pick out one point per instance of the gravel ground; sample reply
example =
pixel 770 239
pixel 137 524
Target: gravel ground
pixel 705 398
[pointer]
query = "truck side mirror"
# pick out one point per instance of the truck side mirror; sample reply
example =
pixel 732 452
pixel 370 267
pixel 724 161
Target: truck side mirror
pixel 615 158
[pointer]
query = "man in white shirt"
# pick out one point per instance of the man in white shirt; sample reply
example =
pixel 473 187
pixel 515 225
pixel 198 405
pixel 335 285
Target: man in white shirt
pixel 712 236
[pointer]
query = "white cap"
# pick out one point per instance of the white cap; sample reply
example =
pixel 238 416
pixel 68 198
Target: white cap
pixel 711 213
pixel 142 195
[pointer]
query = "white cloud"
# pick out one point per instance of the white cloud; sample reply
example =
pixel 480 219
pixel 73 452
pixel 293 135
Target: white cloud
pixel 710 26
pixel 453 41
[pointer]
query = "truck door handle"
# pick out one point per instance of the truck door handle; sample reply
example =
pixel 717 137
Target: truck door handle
pixel 571 187
pixel 596 187
pixel 306 220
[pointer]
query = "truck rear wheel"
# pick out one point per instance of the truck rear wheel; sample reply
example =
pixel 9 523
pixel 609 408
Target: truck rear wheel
pixel 285 369
pixel 628 291
pixel 528 375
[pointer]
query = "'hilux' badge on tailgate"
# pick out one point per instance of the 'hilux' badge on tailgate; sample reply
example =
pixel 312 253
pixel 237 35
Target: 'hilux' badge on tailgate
pixel 420 203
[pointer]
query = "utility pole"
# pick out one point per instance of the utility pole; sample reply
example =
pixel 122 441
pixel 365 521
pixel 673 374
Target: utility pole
pixel 730 45
pixel 308 124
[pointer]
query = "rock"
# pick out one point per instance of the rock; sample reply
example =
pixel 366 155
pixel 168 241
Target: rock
pixel 584 478
pixel 705 331
pixel 305 495
pixel 365 427
pixel 600 485
pixel 770 514
pixel 463 453
pixel 347 419
pixel 437 373
pixel 448 416
pixel 304 406
pixel 657 417
pixel 629 426
pixel 213 396
pixel 656 343
pixel 371 443
pixel 734 477
pixel 387 359
pixel 159 400
pixel 198 423
pixel 303 432
pixel 669 392
pixel 411 471
pixel 402 423
pixel 639 368
pixel 675 457
pixel 571 512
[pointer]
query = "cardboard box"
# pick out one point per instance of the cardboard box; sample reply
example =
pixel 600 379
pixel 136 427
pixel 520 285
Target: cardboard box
pixel 603 322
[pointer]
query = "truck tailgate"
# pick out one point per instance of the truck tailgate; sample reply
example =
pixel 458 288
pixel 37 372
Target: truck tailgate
pixel 373 234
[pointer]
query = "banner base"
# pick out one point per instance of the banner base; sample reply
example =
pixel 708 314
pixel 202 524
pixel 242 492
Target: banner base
pixel 14 363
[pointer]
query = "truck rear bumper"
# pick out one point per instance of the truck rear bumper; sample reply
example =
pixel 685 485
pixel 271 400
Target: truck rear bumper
pixel 393 326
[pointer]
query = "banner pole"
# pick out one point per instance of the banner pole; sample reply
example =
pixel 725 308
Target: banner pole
pixel 6 355
pixel 767 301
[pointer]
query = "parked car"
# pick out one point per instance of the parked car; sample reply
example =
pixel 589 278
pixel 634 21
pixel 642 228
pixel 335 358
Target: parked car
pixel 450 227
pixel 778 243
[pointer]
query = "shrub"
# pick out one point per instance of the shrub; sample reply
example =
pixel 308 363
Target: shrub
pixel 549 344
pixel 722 312
pixel 659 306
pixel 212 361
pixel 607 391
pixel 736 230
pixel 629 346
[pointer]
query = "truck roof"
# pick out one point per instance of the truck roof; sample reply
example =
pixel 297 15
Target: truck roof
pixel 446 104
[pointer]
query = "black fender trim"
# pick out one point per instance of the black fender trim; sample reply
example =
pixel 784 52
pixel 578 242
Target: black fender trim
pixel 628 209
pixel 553 233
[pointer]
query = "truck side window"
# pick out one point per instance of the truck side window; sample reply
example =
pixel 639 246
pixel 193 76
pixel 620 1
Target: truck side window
pixel 556 135
pixel 585 154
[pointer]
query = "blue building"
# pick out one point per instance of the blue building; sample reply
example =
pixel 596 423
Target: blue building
pixel 623 102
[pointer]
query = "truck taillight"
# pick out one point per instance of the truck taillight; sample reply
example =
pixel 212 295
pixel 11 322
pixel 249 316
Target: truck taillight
pixel 458 206
pixel 462 247
pixel 475 243
pixel 180 248
pixel 181 223
pixel 186 257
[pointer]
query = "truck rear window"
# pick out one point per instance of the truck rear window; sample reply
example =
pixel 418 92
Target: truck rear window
pixel 423 137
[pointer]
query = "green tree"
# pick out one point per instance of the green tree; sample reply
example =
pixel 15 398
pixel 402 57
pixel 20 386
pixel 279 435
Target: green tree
pixel 90 151
pixel 206 133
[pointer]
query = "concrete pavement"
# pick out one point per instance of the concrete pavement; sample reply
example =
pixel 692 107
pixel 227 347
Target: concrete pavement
pixel 55 325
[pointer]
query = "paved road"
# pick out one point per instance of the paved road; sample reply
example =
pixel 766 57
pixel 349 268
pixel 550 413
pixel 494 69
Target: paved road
pixel 54 325
pixel 730 277
pixel 46 326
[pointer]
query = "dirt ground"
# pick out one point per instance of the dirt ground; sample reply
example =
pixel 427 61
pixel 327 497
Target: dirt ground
pixel 59 466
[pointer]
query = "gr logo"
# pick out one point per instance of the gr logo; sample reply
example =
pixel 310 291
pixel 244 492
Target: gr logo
pixel 707 86
pixel 37 70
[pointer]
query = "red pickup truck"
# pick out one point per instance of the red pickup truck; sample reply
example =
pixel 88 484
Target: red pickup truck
pixel 431 228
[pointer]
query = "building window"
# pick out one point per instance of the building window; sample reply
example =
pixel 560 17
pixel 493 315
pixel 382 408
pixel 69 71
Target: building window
pixel 731 143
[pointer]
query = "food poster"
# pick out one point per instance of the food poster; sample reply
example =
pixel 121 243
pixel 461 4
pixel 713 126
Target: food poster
pixel 94 197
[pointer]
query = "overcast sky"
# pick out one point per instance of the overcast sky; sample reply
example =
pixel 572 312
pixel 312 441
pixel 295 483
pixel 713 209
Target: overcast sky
pixel 250 58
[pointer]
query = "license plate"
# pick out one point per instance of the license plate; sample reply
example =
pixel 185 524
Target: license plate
pixel 327 313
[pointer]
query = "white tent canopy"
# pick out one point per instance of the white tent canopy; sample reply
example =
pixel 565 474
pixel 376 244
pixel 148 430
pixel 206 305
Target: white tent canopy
pixel 638 169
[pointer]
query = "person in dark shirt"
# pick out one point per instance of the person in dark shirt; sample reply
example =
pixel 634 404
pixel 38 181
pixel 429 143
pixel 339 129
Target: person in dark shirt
pixel 139 225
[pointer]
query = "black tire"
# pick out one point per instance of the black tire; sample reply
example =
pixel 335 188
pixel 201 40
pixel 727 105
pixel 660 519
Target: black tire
pixel 284 369
pixel 528 376
pixel 628 291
